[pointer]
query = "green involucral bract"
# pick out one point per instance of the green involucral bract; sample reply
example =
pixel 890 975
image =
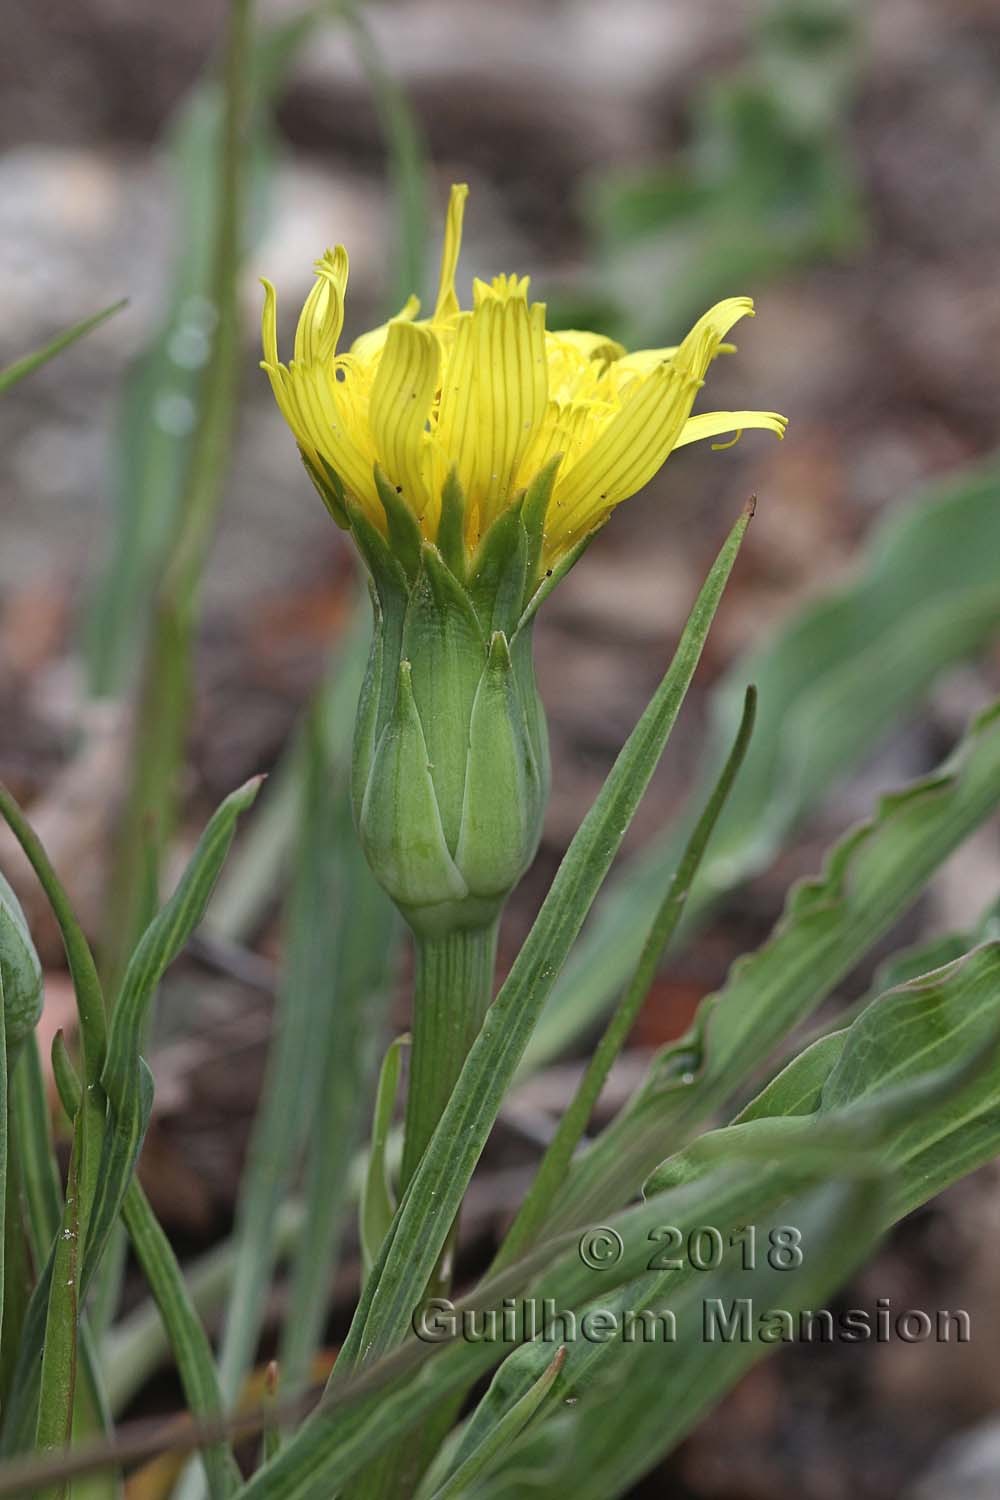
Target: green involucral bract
pixel 20 969
pixel 451 767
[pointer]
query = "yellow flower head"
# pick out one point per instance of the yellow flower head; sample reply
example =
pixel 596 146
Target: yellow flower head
pixel 489 394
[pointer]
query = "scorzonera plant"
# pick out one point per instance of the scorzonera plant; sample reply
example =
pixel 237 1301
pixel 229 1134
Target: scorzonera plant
pixel 472 456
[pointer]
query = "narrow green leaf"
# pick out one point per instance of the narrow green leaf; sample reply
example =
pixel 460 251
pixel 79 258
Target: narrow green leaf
pixel 869 880
pixel 31 362
pixel 510 1426
pixel 53 1310
pixel 124 1078
pixel 86 985
pixel 188 1340
pixel 21 971
pixel 59 1357
pixel 377 1199
pixel 37 1168
pixel 555 1163
pixel 354 946
pixel 834 681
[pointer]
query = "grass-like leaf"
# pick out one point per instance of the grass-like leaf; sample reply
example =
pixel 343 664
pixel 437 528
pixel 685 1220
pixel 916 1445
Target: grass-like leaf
pixel 377 1199
pixel 122 1077
pixel 869 880
pixel 555 1163
pixel 834 681
pixel 31 362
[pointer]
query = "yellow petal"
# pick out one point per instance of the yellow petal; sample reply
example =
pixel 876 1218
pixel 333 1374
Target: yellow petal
pixel 322 316
pixel 334 414
pixel 637 441
pixel 704 341
pixel 454 440
pixel 269 323
pixel 368 345
pixel 447 298
pixel 592 345
pixel 402 392
pixel 711 423
pixel 511 390
pixel 626 454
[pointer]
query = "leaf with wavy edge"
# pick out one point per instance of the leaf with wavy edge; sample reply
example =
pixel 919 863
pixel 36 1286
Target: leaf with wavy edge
pixel 869 880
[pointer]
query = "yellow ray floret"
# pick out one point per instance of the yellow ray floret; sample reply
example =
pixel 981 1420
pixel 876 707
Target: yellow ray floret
pixel 489 393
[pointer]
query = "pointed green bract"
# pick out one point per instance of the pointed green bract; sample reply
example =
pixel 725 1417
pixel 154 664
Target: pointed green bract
pixel 404 531
pixel 449 786
pixel 503 790
pixel 445 646
pixel 451 527
pixel 400 822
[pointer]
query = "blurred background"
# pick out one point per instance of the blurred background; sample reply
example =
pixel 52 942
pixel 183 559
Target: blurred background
pixel 839 162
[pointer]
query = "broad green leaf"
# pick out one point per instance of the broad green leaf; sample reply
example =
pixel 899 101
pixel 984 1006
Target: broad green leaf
pixel 929 1022
pixel 899 1070
pixel 377 1199
pixel 869 880
pixel 833 681
pixel 31 362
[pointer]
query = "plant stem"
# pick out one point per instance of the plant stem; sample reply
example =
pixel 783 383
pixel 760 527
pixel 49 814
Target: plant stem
pixel 451 993
pixel 164 698
pixel 452 989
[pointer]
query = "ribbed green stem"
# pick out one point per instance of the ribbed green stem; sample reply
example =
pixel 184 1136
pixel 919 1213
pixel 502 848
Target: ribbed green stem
pixel 452 989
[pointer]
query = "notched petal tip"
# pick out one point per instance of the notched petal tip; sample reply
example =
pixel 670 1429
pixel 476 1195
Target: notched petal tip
pixel 447 304
pixel 269 323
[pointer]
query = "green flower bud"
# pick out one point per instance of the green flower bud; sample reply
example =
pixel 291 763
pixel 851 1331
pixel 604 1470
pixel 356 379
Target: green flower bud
pixel 20 971
pixel 451 768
